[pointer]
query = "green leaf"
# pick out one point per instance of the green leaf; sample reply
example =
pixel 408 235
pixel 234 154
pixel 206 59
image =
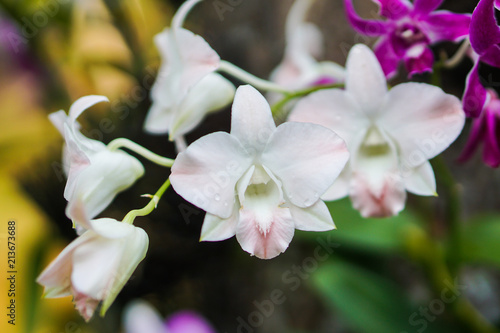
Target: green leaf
pixel 384 235
pixel 480 240
pixel 368 302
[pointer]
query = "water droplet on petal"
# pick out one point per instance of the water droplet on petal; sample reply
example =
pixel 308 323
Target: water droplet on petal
pixel 217 197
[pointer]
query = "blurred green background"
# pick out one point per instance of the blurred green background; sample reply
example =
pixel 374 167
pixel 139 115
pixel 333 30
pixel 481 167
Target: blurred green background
pixel 434 268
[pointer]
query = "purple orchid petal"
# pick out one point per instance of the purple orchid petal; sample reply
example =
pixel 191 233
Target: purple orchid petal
pixel 446 26
pixel 492 56
pixel 475 94
pixel 484 30
pixel 406 38
pixel 366 27
pixel 420 64
pixel 386 56
pixel 491 149
pixel 394 9
pixel 476 135
pixel 425 7
pixel 188 321
pixel 497 4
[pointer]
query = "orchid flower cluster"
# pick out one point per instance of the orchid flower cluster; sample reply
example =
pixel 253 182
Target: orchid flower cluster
pixel 346 134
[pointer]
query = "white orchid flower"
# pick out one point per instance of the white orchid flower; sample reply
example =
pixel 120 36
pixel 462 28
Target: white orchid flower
pixel 97 264
pixel 95 174
pixel 260 182
pixel 304 41
pixel 186 88
pixel 391 134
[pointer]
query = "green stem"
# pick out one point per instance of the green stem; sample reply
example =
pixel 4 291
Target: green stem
pixel 147 154
pixel 244 76
pixel 290 96
pixel 130 217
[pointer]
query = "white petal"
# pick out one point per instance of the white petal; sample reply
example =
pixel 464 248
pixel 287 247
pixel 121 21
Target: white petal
pixel 58 119
pixel 206 173
pixel 109 173
pixel 216 229
pixel 56 278
pixel 420 180
pixel 422 120
pixel 211 93
pixel 365 79
pixel 271 243
pixel 251 120
pixel 314 218
pixel 307 158
pixel 83 104
pixel 159 119
pixel 377 189
pixel 135 250
pixel 141 317
pixel 340 187
pixel 335 109
pixel 95 265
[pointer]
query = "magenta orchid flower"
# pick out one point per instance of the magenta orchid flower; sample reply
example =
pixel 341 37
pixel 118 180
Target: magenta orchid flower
pixel 96 265
pixel 141 317
pixel 304 41
pixel 485 41
pixel 408 31
pixel 187 87
pixel 95 173
pixel 486 129
pixel 260 182
pixel 391 134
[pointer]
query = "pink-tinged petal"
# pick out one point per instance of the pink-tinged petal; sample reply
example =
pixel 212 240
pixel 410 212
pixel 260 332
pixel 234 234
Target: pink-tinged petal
pixel 85 305
pixel 377 189
pixel 83 104
pixel 141 317
pixel 215 229
pixel 476 136
pixel 340 187
pixel 366 27
pixel 309 168
pixel 484 30
pixel 211 93
pixel 394 9
pixel 446 26
pixel 334 109
pixel 56 278
pixel 424 7
pixel 420 180
pixel 198 58
pixel 268 243
pixel 251 119
pixel 206 173
pixel 422 120
pixel 188 322
pixel 314 218
pixel 475 94
pixel 388 59
pixel 491 149
pixel 365 79
pixel 421 64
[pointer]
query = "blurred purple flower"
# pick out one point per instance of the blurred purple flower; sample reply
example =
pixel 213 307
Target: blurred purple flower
pixel 141 317
pixel 486 129
pixel 408 32
pixel 485 41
